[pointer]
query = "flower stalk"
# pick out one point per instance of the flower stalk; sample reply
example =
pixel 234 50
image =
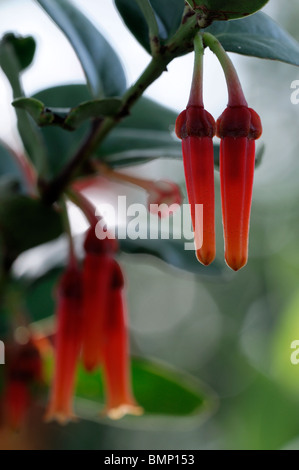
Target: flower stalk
pixel 235 92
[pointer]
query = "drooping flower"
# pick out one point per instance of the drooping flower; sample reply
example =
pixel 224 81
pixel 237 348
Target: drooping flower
pixel 196 127
pixel 68 344
pixel 120 400
pixel 238 127
pixel 97 272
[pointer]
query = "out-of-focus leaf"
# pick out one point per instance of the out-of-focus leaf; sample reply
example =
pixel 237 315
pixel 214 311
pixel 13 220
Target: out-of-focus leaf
pixel 141 156
pixel 227 9
pixel 36 109
pixel 26 223
pixel 128 140
pixel 67 118
pixel 161 390
pixel 257 36
pixel 260 152
pixel 40 295
pixel 173 253
pixel 100 63
pixel 23 47
pixel 147 129
pixel 144 136
pixel 148 114
pixel 32 140
pixel 168 15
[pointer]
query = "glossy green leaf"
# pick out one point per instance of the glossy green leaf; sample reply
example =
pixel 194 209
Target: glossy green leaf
pixel 23 47
pixel 135 140
pixel 35 108
pixel 100 63
pixel 67 118
pixel 32 140
pixel 147 129
pixel 257 36
pixel 26 223
pixel 227 9
pixel 138 156
pixel 159 389
pixel 148 114
pixel 168 15
pixel 143 136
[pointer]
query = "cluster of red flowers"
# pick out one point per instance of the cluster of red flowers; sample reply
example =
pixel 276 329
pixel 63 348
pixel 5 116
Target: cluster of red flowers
pixel 238 128
pixel 91 323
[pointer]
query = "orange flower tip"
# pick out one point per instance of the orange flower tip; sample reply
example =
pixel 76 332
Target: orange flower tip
pixel 205 258
pixel 236 263
pixel 123 410
pixel 61 417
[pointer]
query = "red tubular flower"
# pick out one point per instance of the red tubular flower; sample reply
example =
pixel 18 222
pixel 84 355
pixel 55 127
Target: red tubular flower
pixel 238 127
pixel 120 400
pixel 68 343
pixel 97 271
pixel 196 127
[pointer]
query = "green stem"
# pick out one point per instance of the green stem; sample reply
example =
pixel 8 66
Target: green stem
pixel 150 17
pixel 182 41
pixel 84 204
pixel 108 172
pixel 235 93
pixel 196 93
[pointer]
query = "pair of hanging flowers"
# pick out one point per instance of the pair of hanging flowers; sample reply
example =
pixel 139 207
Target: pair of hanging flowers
pixel 238 128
